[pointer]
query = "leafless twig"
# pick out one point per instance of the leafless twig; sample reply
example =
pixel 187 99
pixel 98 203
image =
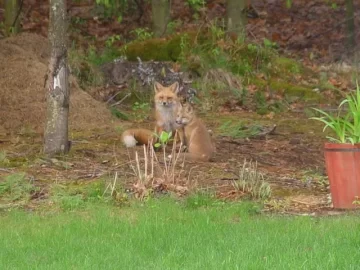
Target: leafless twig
pixel 120 101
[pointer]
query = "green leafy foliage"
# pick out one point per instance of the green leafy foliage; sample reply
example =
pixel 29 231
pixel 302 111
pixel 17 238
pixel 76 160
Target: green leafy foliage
pixel 333 4
pixel 16 187
pixel 200 199
pixel 73 196
pixel 109 8
pixel 111 40
pixel 195 5
pixel 260 100
pixel 238 129
pixel 118 114
pixel 69 203
pixel 98 58
pixel 137 106
pixel 211 46
pixel 252 181
pixel 163 138
pixel 288 3
pixel 270 44
pixel 346 124
pixel 84 63
pixel 172 26
pixel 142 34
pixel 140 110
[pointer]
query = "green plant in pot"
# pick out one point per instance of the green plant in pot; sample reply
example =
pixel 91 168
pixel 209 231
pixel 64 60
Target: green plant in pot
pixel 342 152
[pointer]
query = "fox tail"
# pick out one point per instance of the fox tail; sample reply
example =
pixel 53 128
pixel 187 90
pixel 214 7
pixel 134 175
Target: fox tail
pixel 133 137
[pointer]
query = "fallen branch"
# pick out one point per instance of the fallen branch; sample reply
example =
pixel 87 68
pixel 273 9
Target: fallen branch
pixel 120 101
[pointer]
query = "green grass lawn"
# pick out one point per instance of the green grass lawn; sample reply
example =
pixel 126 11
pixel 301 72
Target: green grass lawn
pixel 162 234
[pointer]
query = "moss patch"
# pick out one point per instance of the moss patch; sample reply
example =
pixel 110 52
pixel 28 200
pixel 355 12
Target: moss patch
pixel 152 49
pixel 161 49
pixel 287 65
pixel 295 91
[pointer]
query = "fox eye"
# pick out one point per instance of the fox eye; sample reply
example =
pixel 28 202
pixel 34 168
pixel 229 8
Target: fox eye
pixel 161 97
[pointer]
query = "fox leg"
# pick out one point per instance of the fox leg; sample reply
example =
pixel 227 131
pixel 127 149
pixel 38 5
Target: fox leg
pixel 180 139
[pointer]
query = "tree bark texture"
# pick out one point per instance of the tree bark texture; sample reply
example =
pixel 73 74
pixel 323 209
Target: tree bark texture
pixel 350 23
pixel 236 17
pixel 160 16
pixel 12 21
pixel 57 83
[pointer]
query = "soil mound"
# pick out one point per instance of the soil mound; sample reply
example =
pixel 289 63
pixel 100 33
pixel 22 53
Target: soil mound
pixel 23 65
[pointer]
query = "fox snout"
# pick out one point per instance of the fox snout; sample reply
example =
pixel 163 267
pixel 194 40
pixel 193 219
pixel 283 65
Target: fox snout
pixel 166 103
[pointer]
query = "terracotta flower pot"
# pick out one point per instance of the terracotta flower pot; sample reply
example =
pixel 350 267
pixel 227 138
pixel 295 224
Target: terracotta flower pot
pixel 343 170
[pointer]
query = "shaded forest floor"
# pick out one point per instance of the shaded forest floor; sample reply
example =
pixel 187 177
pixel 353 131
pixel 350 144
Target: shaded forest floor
pixel 291 160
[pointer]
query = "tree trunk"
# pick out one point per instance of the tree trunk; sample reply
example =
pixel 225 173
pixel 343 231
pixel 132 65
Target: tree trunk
pixel 350 23
pixel 236 17
pixel 57 83
pixel 12 21
pixel 160 16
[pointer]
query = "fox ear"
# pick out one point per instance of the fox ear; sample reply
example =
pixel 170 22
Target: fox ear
pixel 175 87
pixel 157 87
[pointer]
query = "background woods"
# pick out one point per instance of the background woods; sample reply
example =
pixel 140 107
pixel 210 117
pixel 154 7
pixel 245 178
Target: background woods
pixel 297 24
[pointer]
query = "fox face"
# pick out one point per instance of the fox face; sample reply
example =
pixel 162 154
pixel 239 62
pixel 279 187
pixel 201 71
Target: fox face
pixel 166 97
pixel 184 114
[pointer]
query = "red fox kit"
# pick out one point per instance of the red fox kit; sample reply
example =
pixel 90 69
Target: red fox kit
pixel 198 140
pixel 166 105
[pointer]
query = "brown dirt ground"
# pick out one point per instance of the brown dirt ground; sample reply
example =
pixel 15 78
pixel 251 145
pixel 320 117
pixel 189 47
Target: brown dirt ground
pixel 283 157
pixel 23 64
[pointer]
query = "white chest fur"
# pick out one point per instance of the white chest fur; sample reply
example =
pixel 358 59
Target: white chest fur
pixel 167 117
